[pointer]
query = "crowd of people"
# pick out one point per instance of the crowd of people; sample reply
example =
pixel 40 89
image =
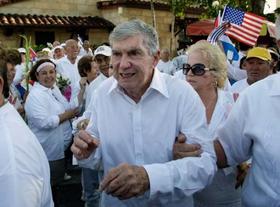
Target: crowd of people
pixel 145 130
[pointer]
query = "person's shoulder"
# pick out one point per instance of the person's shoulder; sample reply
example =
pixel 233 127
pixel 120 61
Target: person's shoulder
pixel 240 85
pixel 266 85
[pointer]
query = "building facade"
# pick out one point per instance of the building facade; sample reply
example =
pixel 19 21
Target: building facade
pixel 46 21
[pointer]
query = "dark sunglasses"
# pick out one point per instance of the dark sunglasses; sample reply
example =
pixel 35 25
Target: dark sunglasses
pixel 197 69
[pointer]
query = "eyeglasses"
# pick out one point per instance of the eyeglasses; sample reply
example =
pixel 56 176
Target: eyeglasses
pixel 197 69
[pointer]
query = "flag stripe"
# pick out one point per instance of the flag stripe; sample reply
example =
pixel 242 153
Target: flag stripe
pixel 243 32
pixel 241 38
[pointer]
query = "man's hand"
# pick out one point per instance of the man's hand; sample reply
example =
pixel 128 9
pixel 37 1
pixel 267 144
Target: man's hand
pixel 181 149
pixel 83 145
pixel 126 181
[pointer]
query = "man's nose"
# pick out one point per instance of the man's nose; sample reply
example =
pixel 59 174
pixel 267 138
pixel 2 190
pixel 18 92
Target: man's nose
pixel 124 61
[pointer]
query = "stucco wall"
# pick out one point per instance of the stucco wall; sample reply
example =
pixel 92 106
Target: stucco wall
pixel 53 7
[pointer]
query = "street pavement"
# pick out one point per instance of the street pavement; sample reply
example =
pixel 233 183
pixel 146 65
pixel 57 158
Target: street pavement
pixel 71 190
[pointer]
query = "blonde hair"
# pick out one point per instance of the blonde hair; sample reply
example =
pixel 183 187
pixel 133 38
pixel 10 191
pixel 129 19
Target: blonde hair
pixel 215 58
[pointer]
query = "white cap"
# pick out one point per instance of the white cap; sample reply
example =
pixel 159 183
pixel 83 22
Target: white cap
pixel 57 47
pixel 103 50
pixel 21 50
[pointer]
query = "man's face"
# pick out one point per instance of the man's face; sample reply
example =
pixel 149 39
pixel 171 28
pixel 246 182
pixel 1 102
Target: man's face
pixel 257 69
pixel 86 45
pixel 72 49
pixel 11 72
pixel 164 55
pixel 103 63
pixel 132 64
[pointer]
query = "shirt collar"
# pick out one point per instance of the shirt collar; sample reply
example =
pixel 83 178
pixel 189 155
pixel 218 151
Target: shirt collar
pixel 158 83
pixel 41 87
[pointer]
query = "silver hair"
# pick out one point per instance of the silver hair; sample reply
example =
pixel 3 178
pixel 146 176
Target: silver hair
pixel 133 28
pixel 215 58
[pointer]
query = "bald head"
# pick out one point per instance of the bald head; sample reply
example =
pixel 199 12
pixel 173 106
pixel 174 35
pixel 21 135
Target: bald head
pixel 72 49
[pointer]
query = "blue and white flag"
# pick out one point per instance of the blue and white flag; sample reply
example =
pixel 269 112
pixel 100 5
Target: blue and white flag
pixel 214 36
pixel 229 48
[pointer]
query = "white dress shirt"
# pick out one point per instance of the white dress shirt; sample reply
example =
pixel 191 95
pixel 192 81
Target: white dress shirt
pixel 221 192
pixel 252 129
pixel 24 168
pixel 93 86
pixel 239 86
pixel 70 71
pixel 42 107
pixel 143 133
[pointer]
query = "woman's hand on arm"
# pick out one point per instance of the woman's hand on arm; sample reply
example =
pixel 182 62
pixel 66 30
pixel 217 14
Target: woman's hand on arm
pixel 68 114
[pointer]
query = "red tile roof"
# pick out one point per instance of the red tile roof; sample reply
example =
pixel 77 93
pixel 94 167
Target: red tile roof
pixel 55 21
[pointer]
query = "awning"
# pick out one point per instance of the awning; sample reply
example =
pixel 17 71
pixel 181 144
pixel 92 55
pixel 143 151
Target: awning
pixel 200 28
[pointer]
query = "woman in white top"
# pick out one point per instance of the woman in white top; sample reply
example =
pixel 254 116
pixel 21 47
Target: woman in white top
pixel 206 71
pixel 48 114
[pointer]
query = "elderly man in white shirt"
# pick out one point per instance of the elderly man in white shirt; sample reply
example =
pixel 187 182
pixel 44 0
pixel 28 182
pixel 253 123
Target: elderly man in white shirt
pixel 24 169
pixel 67 67
pixel 136 138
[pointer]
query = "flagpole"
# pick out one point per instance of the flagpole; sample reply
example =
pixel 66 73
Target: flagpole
pixel 223 13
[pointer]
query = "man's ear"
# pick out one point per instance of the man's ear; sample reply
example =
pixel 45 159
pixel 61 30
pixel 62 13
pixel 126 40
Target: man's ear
pixel 1 85
pixel 156 58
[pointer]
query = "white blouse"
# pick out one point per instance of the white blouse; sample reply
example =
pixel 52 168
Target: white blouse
pixel 42 107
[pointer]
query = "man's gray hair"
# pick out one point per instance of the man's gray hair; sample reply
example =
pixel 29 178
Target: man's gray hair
pixel 136 27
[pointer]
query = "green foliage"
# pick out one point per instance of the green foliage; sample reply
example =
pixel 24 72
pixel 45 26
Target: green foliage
pixel 178 6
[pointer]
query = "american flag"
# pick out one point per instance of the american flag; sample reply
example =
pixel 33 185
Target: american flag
pixel 245 26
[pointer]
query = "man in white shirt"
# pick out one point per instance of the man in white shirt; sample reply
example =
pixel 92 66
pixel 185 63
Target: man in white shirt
pixel 135 121
pixel 24 169
pixel 165 64
pixel 67 67
pixel 85 50
pixel 257 67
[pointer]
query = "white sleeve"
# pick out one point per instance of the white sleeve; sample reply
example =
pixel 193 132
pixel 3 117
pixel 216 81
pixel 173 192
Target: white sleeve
pixel 37 111
pixel 189 175
pixel 235 72
pixel 232 136
pixel 94 161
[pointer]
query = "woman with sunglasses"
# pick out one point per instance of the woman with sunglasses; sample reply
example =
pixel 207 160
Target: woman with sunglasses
pixel 206 71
